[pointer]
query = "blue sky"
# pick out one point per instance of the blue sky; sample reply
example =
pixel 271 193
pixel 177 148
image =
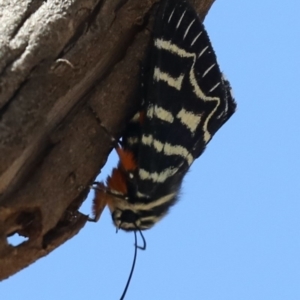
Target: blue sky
pixel 235 233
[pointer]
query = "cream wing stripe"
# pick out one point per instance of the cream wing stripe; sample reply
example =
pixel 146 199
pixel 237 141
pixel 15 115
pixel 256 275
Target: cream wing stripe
pixel 157 177
pixel 171 81
pixel 160 113
pixel 189 27
pixel 196 38
pixel 167 45
pixel 179 22
pixel 189 119
pixel 167 148
pixel 123 204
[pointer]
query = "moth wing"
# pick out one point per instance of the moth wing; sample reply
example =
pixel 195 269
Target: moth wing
pixel 187 99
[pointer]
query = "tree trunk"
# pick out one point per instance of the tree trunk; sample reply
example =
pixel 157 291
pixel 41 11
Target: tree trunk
pixel 68 69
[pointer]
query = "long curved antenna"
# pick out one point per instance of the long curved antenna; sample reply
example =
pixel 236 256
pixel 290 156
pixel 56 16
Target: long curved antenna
pixel 132 268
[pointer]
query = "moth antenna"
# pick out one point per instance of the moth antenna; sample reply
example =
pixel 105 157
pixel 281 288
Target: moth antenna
pixel 143 238
pixel 132 267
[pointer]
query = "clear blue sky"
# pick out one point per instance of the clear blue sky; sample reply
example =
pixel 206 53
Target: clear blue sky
pixel 235 234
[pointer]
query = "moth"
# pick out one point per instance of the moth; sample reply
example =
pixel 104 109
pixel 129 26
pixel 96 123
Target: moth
pixel 185 101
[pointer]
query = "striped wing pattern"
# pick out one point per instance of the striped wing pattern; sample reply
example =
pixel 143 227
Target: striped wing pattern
pixel 185 101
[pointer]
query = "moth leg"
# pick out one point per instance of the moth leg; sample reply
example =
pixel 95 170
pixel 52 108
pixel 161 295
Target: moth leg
pixel 99 201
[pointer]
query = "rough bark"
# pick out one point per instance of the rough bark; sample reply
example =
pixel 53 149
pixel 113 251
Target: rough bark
pixel 67 68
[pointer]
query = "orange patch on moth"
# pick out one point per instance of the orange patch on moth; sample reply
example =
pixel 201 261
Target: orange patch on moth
pixel 117 182
pixel 127 160
pixel 100 200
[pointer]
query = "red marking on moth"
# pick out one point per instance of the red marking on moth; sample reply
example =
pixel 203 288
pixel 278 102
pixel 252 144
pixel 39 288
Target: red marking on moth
pixel 115 182
pixel 127 160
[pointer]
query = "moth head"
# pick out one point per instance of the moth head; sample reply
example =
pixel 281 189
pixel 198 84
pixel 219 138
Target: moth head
pixel 114 194
pixel 123 213
pixel 126 219
pixel 110 194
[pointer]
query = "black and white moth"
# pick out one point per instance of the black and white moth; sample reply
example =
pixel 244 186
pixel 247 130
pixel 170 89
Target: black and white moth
pixel 186 99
